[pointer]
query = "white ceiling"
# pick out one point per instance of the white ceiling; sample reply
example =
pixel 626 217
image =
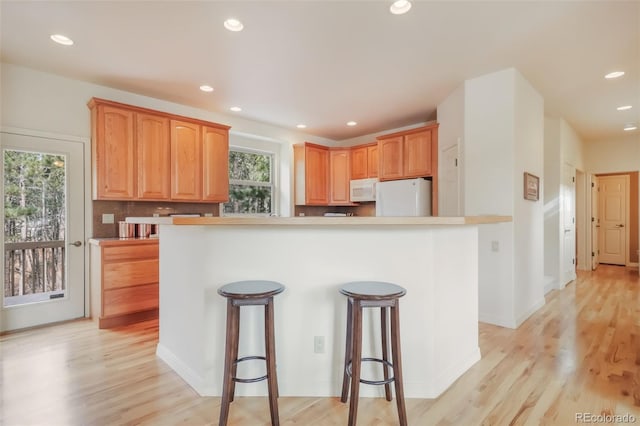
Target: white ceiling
pixel 324 63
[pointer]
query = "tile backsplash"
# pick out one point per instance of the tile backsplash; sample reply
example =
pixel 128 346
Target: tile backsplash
pixel 123 209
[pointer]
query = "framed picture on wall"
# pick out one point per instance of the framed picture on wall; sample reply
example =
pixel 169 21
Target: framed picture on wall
pixel 531 187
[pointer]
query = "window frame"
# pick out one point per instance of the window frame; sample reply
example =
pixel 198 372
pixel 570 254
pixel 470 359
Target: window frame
pixel 272 184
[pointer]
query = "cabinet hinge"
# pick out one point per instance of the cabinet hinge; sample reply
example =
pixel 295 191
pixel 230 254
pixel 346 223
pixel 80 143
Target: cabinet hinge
pixel 593 184
pixel 592 254
pixel 592 219
pixel 456 160
pixel 573 179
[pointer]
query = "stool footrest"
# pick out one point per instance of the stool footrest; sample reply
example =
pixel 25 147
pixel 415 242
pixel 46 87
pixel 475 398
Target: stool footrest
pixel 254 380
pixel 373 382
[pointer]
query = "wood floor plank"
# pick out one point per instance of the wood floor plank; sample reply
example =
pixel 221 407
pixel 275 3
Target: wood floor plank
pixel 580 353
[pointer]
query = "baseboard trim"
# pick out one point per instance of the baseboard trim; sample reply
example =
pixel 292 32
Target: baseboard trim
pixel 522 318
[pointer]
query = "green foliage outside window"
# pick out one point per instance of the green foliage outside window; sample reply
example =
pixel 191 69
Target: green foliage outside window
pixel 34 196
pixel 250 183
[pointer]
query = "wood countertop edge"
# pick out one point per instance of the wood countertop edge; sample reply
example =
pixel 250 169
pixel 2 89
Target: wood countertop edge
pixel 342 221
pixel 121 241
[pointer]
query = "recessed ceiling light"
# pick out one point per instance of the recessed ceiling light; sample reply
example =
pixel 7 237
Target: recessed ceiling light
pixel 301 126
pixel 233 25
pixel 624 108
pixel 206 88
pixel 630 127
pixel 60 39
pixel 351 123
pixel 235 109
pixel 400 6
pixel 614 74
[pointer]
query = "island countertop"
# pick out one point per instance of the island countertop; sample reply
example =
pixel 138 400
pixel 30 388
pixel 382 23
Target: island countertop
pixel 349 221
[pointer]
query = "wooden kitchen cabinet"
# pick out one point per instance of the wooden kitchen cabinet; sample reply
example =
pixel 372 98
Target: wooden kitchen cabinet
pixel 215 164
pixel 364 161
pixel 124 281
pixel 113 153
pixel 359 162
pixel 372 159
pixel 311 171
pixel 142 154
pixel 411 154
pixel 186 161
pixel 339 176
pixel 391 160
pixel 153 157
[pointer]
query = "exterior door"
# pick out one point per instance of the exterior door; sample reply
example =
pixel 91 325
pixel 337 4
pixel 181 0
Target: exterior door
pixel 43 191
pixel 595 223
pixel 568 197
pixel 613 219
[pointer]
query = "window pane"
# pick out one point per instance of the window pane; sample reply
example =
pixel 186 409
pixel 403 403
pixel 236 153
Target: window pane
pixel 249 166
pixel 248 199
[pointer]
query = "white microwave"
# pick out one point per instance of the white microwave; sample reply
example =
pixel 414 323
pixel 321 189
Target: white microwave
pixel 363 189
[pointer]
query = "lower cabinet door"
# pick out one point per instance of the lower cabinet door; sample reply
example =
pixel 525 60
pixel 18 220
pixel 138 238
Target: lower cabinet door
pixel 130 299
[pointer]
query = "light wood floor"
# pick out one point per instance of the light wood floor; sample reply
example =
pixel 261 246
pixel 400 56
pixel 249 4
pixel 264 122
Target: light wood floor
pixel 580 353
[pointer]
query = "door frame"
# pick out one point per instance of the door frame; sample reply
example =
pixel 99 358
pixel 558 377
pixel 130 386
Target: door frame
pixel 88 207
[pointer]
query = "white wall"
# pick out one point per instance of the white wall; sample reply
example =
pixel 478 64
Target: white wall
pixel 551 184
pixel 528 215
pixel 451 133
pixel 503 138
pixel 613 155
pixel 572 147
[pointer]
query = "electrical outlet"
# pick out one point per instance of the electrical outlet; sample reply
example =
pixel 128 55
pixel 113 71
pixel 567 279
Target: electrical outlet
pixel 107 218
pixel 495 246
pixel 318 344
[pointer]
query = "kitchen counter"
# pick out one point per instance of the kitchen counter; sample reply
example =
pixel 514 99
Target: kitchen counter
pixel 105 242
pixel 434 258
pixel 349 221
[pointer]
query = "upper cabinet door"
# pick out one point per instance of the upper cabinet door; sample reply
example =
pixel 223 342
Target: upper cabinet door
pixel 372 159
pixel 215 164
pixel 154 157
pixel 186 161
pixel 316 175
pixel 359 163
pixel 390 163
pixel 339 176
pixel 113 153
pixel 417 154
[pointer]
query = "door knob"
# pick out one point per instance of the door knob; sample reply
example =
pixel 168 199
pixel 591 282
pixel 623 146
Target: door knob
pixel 76 243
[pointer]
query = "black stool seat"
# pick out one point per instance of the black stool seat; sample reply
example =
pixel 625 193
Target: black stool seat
pixel 251 289
pixel 248 293
pixel 372 294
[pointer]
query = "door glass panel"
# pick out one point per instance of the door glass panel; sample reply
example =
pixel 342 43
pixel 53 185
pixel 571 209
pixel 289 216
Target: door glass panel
pixel 34 227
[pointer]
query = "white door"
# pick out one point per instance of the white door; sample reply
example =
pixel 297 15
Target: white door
pixel 613 219
pixel 43 192
pixel 448 184
pixel 595 223
pixel 568 225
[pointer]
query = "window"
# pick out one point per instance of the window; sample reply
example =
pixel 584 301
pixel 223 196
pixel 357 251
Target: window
pixel 251 183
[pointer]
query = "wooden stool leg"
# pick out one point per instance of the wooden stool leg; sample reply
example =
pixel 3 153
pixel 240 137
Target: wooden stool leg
pixel 385 350
pixel 355 361
pixel 347 352
pixel 231 347
pixel 270 354
pixel 234 355
pixel 397 363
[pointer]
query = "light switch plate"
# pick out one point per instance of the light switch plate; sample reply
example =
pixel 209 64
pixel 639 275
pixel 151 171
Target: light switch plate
pixel 107 218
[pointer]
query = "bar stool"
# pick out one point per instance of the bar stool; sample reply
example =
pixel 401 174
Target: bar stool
pixel 247 293
pixel 372 294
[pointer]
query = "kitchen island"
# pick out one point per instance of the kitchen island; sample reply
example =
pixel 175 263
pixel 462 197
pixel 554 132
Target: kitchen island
pixel 434 258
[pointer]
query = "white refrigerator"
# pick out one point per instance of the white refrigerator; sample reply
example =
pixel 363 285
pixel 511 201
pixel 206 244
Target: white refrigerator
pixel 407 197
